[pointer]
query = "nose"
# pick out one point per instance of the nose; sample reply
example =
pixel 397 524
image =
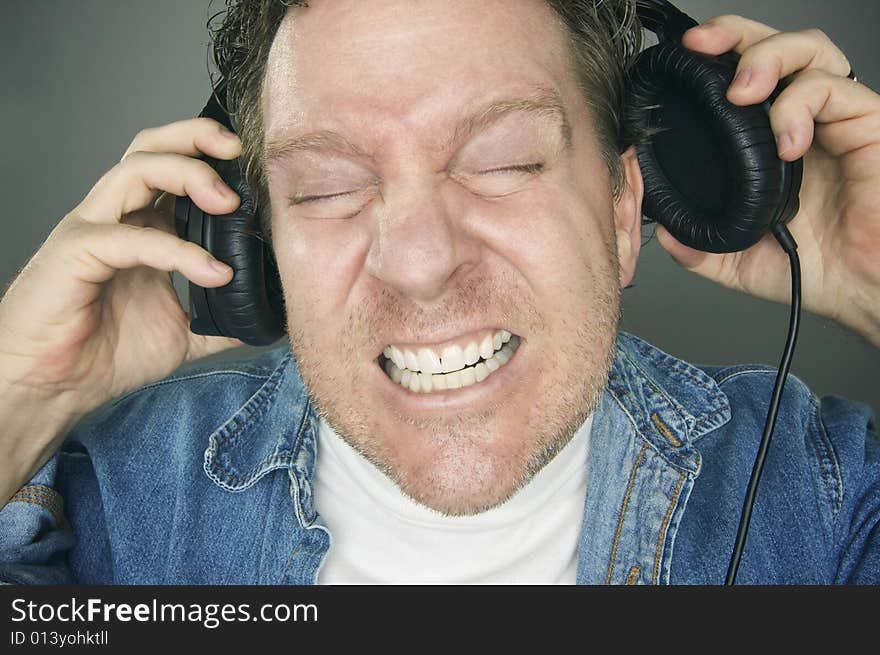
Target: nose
pixel 418 246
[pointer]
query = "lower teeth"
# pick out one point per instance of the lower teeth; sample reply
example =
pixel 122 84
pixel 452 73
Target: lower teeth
pixel 426 382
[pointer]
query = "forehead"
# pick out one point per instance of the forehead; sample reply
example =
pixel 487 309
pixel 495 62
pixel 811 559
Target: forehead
pixel 358 65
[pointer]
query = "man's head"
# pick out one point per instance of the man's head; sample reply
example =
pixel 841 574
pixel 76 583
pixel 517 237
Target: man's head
pixel 439 172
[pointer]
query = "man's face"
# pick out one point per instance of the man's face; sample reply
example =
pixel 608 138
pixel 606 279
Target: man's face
pixel 435 185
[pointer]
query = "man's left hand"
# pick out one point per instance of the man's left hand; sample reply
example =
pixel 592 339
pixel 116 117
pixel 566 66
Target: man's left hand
pixel 834 123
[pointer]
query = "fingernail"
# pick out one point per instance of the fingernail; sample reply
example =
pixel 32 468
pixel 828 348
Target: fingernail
pixel 784 143
pixel 219 266
pixel 742 79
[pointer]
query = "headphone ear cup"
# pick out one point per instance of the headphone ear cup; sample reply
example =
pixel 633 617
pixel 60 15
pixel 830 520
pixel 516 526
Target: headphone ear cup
pixel 712 176
pixel 251 306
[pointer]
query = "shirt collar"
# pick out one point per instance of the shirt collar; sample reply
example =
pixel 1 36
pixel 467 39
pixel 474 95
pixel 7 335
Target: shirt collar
pixel 271 430
pixel 670 403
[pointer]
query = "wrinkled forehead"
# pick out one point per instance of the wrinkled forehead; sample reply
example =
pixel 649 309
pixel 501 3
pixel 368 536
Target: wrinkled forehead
pixel 395 60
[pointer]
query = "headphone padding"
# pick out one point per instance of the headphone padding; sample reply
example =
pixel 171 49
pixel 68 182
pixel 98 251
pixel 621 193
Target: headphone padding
pixel 754 176
pixel 250 307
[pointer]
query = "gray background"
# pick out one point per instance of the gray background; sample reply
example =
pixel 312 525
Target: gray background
pixel 80 78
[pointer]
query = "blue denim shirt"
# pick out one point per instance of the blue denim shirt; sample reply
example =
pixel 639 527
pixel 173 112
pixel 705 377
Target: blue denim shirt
pixel 206 478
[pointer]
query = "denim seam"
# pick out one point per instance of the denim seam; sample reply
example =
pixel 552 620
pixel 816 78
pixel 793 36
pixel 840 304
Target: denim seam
pixel 629 487
pixel 706 417
pixel 293 489
pixel 300 436
pixel 665 430
pixel 50 499
pixel 737 373
pixel 48 502
pixel 632 576
pixel 236 484
pixel 47 493
pixel 640 432
pixel 832 479
pixel 195 376
pixel 681 410
pixel 826 443
pixel 732 372
pixel 227 436
pixel 678 407
pixel 37 501
pixel 664 525
pixel 254 408
pixel 679 366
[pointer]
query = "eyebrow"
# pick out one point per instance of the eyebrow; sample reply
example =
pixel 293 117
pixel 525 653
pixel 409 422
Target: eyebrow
pixel 544 102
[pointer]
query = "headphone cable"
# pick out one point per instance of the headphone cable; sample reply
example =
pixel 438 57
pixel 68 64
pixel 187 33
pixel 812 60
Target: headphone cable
pixel 786 240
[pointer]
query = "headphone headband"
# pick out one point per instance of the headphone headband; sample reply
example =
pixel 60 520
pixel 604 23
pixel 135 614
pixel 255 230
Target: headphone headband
pixel 663 19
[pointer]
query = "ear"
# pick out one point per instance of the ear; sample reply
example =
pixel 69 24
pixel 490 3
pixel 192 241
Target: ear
pixel 628 217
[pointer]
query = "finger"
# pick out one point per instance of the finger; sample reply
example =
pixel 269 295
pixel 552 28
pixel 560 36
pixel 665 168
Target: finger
pixel 725 33
pixel 150 218
pixel 848 114
pixel 762 65
pixel 136 182
pixel 94 253
pixel 192 137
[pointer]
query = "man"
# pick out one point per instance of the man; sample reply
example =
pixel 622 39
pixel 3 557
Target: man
pixel 441 185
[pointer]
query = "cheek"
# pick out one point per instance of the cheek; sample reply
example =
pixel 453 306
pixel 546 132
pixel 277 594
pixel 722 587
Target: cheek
pixel 555 236
pixel 319 262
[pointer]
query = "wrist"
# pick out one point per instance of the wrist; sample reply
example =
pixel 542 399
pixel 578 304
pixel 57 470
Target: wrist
pixel 34 426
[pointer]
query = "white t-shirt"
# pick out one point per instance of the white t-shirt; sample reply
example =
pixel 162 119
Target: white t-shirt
pixel 381 536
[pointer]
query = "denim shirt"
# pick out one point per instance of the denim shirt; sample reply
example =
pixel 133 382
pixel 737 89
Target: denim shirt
pixel 206 477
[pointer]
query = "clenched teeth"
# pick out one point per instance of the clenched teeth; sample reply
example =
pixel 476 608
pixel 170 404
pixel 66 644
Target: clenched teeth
pixel 452 358
pixel 426 371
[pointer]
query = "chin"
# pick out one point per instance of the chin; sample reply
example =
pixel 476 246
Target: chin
pixel 462 468
pixel 466 450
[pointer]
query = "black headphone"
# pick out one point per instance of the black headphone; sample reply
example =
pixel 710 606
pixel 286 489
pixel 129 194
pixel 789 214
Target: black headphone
pixel 711 172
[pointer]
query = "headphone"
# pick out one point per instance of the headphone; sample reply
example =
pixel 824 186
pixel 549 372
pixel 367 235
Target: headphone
pixel 711 174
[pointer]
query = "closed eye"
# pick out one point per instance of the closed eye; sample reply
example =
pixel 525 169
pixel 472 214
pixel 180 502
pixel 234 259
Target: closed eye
pixel 536 167
pixel 300 199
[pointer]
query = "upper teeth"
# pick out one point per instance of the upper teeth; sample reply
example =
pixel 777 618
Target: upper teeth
pixel 452 358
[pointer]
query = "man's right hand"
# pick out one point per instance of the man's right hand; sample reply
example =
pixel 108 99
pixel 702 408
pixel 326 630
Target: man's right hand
pixel 94 313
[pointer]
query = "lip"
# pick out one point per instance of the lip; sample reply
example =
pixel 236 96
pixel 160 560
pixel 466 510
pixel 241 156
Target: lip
pixel 454 399
pixel 444 341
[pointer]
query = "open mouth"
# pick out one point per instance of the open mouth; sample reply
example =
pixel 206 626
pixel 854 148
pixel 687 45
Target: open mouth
pixel 425 370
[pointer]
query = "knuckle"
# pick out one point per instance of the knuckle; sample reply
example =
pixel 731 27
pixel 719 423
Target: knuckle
pixel 207 124
pixel 818 35
pixel 813 76
pixel 140 139
pixel 727 19
pixel 143 134
pixel 73 235
pixel 108 177
pixel 205 173
pixel 133 157
pixel 186 250
pixel 146 230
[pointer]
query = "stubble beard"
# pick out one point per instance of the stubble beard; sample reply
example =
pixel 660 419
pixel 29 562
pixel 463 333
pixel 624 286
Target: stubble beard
pixel 463 474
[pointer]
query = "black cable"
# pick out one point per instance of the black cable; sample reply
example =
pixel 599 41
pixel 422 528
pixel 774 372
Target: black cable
pixel 786 240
